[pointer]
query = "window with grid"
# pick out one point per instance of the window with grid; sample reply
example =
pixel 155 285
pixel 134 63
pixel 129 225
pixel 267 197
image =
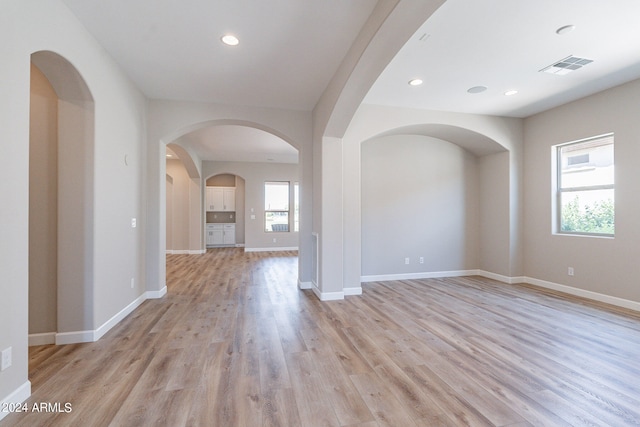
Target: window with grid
pixel 585 187
pixel 276 206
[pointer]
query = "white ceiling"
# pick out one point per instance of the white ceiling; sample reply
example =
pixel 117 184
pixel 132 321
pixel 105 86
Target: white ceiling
pixel 502 45
pixel 290 49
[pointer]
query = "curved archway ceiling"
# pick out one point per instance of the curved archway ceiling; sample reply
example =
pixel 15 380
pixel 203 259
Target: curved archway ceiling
pixel 240 144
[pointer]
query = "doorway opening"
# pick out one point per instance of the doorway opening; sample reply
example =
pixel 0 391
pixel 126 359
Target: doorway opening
pixel 61 141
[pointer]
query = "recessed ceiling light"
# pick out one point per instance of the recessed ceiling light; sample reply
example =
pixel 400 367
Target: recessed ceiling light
pixel 230 40
pixel 169 155
pixel 566 29
pixel 477 89
pixel 415 82
pixel 511 92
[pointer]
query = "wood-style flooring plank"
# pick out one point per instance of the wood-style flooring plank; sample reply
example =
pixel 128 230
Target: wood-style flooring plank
pixel 236 343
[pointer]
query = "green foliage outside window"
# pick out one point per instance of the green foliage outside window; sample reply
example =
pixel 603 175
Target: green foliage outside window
pixel 597 217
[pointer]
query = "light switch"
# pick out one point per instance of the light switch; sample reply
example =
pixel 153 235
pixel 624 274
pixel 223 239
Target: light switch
pixel 253 217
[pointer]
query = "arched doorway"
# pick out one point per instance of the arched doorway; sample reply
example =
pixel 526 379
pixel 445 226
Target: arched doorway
pixel 61 202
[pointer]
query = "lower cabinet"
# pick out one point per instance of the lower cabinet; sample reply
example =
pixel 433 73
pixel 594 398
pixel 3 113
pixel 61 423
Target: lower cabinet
pixel 221 234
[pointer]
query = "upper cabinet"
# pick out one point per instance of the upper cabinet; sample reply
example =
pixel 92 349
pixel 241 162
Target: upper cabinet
pixel 221 199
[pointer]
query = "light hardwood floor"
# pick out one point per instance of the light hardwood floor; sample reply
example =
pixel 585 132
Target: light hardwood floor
pixel 235 343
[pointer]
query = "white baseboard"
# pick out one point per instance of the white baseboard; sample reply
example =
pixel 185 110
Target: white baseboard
pixel 352 291
pixel 99 333
pixel 421 275
pixel 305 285
pixel 19 395
pixel 186 251
pixel 274 249
pixel 595 296
pixel 76 337
pixel 156 294
pixel 327 296
pixel 42 339
pixel 500 277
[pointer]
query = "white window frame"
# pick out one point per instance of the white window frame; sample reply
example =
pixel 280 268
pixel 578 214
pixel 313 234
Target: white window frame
pixel 560 189
pixel 267 209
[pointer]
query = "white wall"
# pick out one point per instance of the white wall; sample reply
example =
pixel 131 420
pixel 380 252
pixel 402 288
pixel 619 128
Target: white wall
pixel 25 28
pixel 420 198
pixel 179 219
pixel 602 265
pixel 254 176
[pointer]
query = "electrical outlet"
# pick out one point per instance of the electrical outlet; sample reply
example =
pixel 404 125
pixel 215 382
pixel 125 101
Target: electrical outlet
pixel 406 261
pixel 6 359
pixel 421 260
pixel 570 271
pixel 132 282
pixel 134 223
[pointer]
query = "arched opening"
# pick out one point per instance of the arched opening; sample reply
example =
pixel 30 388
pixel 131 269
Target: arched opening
pixel 424 193
pixel 183 202
pixel 279 166
pixel 61 202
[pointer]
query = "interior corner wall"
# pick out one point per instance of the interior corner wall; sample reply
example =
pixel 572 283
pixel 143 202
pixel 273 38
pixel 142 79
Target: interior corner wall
pixel 43 205
pixel 420 199
pixel 606 266
pixel 180 216
pixel 494 214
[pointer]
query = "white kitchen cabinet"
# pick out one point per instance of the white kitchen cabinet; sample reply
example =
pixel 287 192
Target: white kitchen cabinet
pixel 220 199
pixel 229 234
pixel 221 234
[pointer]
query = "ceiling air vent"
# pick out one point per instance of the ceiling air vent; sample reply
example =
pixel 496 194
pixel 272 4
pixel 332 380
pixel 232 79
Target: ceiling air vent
pixel 566 65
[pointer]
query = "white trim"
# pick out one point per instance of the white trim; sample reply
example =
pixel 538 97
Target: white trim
pixel 94 335
pixel 500 277
pixel 19 395
pixel 595 296
pixel 156 294
pixel 75 337
pixel 99 333
pixel 42 339
pixel 352 291
pixel 328 296
pixel 423 275
pixel 283 248
pixel 304 285
pixel 186 251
